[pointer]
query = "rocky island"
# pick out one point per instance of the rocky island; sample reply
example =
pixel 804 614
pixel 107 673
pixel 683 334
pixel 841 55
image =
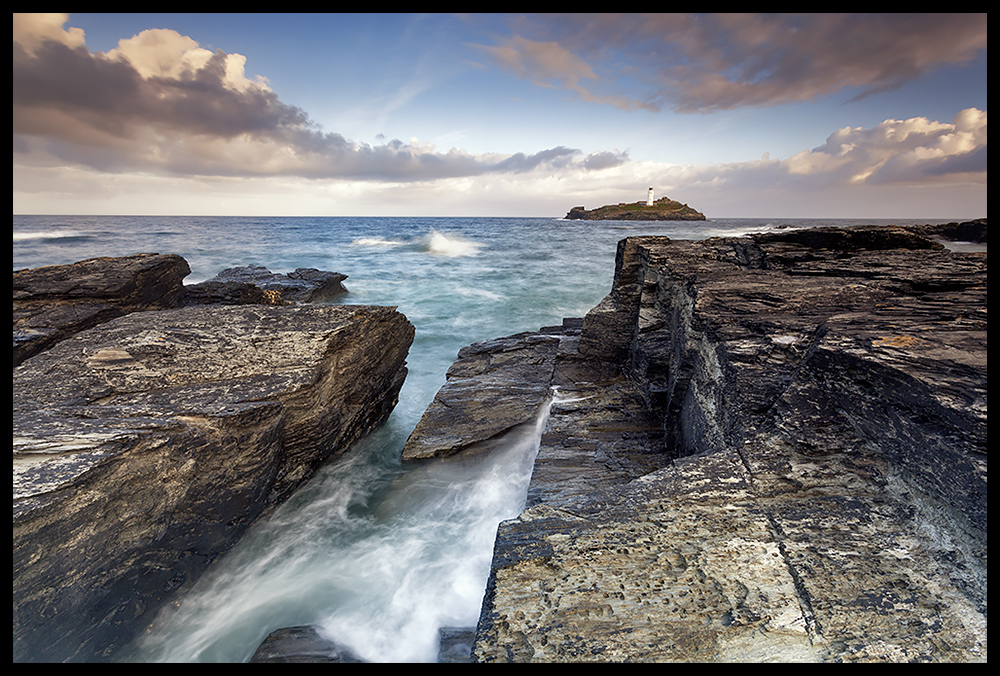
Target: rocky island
pixel 663 209
pixel 153 423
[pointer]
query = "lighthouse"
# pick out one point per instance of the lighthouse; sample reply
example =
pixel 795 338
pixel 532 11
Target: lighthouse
pixel 649 198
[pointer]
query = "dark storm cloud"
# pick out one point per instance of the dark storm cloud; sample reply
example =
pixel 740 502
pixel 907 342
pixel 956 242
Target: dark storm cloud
pixel 704 62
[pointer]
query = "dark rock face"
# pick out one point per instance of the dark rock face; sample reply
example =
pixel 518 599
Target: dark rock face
pixel 762 448
pixel 53 302
pixel 145 446
pixel 257 284
pixel 301 645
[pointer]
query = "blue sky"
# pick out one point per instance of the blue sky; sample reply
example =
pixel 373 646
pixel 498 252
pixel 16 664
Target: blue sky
pixel 815 115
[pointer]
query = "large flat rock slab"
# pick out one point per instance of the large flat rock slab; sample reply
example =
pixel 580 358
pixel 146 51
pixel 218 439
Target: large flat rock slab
pixel 145 446
pixel 790 466
pixel 492 387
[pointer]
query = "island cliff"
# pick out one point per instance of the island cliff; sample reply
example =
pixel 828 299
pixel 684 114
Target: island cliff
pixel 663 209
pixel 766 448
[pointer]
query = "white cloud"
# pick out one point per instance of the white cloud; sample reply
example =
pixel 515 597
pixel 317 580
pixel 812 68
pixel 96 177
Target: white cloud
pixel 31 30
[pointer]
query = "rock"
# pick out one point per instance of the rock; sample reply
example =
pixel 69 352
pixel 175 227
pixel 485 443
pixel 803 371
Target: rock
pixel 767 448
pixel 257 284
pixel 307 645
pixel 491 388
pixel 53 302
pixel 301 645
pixel 456 645
pixel 663 209
pixel 144 447
pixel 967 231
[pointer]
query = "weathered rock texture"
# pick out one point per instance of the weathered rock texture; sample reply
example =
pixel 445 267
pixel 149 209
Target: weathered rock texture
pixel 256 284
pixel 763 448
pixel 491 388
pixel 145 446
pixel 53 302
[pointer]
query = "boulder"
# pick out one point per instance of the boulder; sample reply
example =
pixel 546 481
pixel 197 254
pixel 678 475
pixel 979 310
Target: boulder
pixel 492 387
pixel 257 284
pixel 144 447
pixel 766 448
pixel 56 301
pixel 301 645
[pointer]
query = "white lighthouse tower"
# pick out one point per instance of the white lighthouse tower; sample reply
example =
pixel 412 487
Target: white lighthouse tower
pixel 649 198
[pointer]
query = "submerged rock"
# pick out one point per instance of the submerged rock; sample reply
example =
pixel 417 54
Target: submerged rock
pixel 144 447
pixel 767 448
pixel 301 645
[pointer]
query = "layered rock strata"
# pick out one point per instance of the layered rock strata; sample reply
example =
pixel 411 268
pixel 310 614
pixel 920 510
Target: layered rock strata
pixel 56 301
pixel 763 448
pixel 144 447
pixel 255 284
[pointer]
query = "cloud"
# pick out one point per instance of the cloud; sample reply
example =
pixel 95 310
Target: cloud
pixel 901 151
pixel 162 104
pixel 705 62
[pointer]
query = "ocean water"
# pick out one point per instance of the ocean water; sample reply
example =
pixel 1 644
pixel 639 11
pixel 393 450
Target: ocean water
pixel 378 554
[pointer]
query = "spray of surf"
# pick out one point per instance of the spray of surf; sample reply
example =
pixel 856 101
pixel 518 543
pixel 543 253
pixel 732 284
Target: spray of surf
pixel 380 579
pixel 434 242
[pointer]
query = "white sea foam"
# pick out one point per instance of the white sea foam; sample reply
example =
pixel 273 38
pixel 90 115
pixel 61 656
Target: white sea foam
pixel 434 242
pixel 48 234
pixel 450 246
pixel 376 242
pixel 381 582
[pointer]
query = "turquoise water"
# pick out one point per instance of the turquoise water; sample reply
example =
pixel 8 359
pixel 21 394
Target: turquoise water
pixel 378 554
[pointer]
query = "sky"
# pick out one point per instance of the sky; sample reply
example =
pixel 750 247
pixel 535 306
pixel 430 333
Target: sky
pixel 748 115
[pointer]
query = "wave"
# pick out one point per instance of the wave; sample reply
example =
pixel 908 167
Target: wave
pixel 450 246
pixel 434 243
pixel 377 242
pixel 48 234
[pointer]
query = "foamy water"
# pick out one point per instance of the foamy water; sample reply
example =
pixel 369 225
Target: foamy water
pixel 434 242
pixel 388 574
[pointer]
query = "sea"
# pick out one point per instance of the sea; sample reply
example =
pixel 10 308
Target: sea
pixel 379 555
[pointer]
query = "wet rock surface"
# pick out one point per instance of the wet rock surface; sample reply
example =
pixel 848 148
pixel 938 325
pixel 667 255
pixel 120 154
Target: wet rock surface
pixel 146 445
pixel 767 448
pixel 301 645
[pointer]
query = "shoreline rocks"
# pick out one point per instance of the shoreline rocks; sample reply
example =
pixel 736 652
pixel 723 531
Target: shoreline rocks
pixel 56 301
pixel 765 448
pixel 146 445
pixel 258 285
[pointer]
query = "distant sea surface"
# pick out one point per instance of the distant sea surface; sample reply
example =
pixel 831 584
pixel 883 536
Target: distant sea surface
pixel 377 554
